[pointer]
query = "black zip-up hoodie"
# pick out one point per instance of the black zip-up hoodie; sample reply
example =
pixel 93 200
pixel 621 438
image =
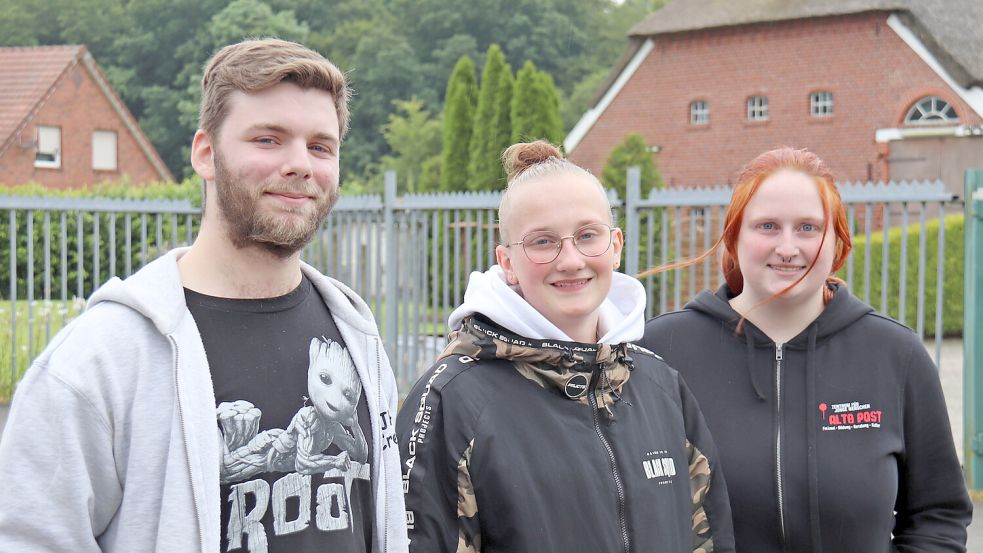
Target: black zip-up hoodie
pixel 511 444
pixel 837 440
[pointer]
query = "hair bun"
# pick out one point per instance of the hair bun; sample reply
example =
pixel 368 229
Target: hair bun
pixel 519 157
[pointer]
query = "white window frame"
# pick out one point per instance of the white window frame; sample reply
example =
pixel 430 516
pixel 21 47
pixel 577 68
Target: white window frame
pixel 821 104
pixel 105 150
pixel 699 112
pixel 47 154
pixel 757 108
pixel 933 110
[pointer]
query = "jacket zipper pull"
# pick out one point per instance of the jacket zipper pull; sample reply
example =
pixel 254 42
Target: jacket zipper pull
pixel 778 351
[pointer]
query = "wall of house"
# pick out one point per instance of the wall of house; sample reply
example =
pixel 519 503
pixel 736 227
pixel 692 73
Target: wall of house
pixel 78 107
pixel 873 75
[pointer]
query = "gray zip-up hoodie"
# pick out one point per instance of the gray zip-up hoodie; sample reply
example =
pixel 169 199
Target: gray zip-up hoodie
pixel 112 442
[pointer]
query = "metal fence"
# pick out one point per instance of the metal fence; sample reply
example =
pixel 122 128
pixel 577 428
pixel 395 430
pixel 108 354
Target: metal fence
pixel 410 256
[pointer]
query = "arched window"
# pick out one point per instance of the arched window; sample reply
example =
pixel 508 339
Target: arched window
pixel 931 110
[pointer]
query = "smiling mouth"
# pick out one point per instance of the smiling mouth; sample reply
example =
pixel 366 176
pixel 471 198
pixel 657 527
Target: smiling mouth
pixel 787 268
pixel 290 197
pixel 570 283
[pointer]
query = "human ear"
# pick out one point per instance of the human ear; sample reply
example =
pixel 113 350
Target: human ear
pixel 504 259
pixel 203 156
pixel 617 244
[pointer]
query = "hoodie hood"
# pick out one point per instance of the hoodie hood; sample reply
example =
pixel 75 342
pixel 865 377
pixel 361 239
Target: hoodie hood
pixel 152 292
pixel 569 367
pixel 622 314
pixel 842 311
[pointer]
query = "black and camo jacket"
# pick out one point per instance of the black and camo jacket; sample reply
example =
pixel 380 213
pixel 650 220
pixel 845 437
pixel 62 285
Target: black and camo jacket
pixel 511 444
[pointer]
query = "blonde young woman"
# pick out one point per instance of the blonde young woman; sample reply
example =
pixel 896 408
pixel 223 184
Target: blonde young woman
pixel 829 417
pixel 541 427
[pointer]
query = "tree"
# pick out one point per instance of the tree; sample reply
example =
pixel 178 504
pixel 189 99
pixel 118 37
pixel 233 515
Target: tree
pixel 535 107
pixel 484 169
pixel 240 19
pixel 633 151
pixel 414 138
pixel 459 106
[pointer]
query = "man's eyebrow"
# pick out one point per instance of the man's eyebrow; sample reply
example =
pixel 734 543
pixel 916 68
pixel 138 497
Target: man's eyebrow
pixel 268 127
pixel 326 137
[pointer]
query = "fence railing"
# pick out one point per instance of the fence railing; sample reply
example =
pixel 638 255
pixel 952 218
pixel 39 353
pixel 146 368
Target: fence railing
pixel 410 256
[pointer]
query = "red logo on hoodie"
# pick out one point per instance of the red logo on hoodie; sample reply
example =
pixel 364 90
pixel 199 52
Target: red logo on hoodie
pixel 851 415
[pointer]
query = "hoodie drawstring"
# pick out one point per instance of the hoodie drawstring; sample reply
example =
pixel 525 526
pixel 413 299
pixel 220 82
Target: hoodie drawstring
pixel 750 365
pixel 811 435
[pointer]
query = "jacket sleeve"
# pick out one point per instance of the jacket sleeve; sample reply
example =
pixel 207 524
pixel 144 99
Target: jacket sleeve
pixel 713 528
pixel 441 512
pixel 58 475
pixel 933 506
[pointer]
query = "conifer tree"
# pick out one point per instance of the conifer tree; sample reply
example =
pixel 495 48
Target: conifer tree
pixel 484 168
pixel 459 108
pixel 633 151
pixel 502 132
pixel 535 107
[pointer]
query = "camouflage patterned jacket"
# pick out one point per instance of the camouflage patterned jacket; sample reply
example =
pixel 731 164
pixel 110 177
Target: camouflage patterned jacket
pixel 511 444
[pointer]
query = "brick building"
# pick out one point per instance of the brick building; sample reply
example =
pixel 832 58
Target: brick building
pixel 63 126
pixel 880 89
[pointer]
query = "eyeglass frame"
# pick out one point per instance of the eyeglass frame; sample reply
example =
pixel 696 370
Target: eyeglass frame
pixel 559 243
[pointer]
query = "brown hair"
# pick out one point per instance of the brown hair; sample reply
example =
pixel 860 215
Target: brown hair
pixel 526 161
pixel 748 182
pixel 257 64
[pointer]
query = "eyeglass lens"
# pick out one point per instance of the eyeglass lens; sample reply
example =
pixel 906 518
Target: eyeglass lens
pixel 590 240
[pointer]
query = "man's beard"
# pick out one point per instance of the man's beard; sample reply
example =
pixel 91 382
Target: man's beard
pixel 283 231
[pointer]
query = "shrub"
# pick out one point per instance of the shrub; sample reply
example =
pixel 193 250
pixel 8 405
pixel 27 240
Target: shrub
pixel 952 286
pixel 83 269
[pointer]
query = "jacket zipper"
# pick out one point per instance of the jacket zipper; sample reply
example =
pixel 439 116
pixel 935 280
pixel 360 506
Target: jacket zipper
pixel 382 463
pixel 184 429
pixel 778 443
pixel 595 413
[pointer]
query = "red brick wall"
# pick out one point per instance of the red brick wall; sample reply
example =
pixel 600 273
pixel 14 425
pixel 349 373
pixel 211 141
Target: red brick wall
pixel 873 74
pixel 78 107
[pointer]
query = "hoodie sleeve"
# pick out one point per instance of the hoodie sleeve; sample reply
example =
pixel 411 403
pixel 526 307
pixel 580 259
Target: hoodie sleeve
pixel 933 505
pixel 441 511
pixel 713 529
pixel 58 476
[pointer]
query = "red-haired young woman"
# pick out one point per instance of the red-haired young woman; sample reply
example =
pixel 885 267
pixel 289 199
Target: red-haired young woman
pixel 829 417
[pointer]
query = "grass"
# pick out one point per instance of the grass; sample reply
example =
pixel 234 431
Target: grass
pixel 36 322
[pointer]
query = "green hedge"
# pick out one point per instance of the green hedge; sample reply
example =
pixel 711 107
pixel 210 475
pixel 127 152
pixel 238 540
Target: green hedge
pixel 187 190
pixel 952 286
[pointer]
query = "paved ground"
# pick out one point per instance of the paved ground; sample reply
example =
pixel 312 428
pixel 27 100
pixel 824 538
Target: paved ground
pixel 952 385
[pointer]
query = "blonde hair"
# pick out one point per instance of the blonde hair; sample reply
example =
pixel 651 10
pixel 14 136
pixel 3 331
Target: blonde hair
pixel 527 161
pixel 257 64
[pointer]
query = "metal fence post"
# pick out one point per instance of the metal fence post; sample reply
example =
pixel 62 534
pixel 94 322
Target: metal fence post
pixel 632 231
pixel 973 331
pixel 391 274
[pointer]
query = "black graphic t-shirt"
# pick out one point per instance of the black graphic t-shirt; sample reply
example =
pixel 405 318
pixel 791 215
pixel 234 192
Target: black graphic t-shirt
pixel 294 424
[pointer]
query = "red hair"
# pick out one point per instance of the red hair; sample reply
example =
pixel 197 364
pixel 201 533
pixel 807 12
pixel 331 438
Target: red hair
pixel 748 182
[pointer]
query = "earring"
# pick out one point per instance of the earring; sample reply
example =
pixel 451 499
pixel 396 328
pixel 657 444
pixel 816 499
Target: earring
pixel 617 264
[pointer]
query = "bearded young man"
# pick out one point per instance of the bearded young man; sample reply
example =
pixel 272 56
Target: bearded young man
pixel 226 396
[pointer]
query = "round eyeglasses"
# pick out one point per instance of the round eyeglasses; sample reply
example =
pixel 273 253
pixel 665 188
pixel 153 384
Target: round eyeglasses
pixel 543 246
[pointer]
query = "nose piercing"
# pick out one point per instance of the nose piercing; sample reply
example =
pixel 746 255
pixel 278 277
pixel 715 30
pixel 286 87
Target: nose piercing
pixel 786 259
